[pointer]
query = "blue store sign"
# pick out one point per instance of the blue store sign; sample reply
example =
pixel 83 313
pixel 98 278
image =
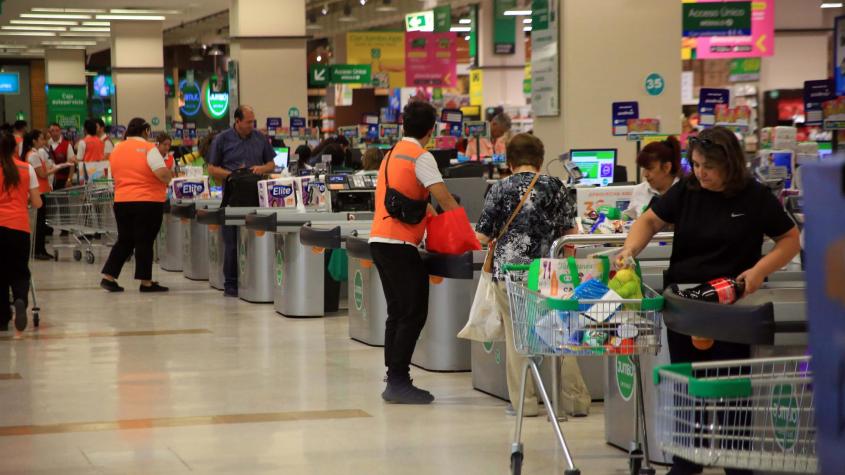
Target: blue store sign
pixel 708 99
pixel 622 111
pixel 192 96
pixel 815 94
pixel 10 83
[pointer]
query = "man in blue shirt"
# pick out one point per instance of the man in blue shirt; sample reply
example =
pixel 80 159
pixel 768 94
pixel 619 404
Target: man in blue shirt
pixel 233 149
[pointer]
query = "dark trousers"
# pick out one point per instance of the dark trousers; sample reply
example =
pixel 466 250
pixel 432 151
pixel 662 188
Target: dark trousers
pixel 230 257
pixel 405 281
pixel 14 271
pixel 681 350
pixel 138 224
pixel 41 229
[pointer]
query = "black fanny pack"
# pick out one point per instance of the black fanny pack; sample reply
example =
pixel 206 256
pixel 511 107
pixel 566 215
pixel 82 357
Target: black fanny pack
pixel 399 206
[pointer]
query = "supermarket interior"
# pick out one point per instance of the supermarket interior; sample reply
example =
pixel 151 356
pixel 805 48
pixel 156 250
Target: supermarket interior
pixel 422 237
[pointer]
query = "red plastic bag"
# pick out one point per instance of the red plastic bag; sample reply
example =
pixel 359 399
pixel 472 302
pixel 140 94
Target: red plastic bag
pixel 450 233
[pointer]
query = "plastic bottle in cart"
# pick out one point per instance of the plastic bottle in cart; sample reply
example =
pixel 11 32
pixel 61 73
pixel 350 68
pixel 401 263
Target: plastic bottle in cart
pixel 723 291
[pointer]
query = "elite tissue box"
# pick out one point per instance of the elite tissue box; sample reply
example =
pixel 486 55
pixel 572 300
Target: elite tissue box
pixel 185 188
pixel 278 193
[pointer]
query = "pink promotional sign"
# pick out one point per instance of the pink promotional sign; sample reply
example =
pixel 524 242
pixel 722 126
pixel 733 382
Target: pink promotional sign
pixel 430 59
pixel 760 43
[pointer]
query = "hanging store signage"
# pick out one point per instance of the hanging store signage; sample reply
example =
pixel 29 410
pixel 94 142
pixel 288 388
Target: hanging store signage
pixel 760 42
pixel 545 66
pixel 745 70
pixel 622 112
pixel 10 83
pixel 350 74
pixel 297 123
pixel 318 75
pixel 384 51
pixel 67 106
pixel 504 27
pixel 191 97
pixel 476 87
pixel 430 60
pixel 717 19
pixel 420 21
pixel 214 104
pixel 708 99
pixel 816 93
pixel 442 19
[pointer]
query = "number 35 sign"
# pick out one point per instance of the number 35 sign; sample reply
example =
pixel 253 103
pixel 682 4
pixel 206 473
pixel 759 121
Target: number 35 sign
pixel 654 84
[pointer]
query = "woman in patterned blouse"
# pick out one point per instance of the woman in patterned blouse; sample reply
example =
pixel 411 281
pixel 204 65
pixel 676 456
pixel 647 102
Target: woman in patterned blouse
pixel 548 213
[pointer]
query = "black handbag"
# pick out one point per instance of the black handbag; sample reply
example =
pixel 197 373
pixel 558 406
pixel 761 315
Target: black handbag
pixel 399 206
pixel 241 188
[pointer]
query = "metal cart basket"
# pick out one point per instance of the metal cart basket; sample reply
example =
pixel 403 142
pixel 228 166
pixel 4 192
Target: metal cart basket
pixel 752 414
pixel 544 326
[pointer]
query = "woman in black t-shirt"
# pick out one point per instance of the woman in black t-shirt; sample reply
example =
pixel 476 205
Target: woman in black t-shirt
pixel 720 216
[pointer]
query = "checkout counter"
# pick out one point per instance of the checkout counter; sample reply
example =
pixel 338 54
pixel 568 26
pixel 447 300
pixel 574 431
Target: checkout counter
pixel 213 220
pixel 195 253
pixel 297 271
pixel 367 304
pixel 169 241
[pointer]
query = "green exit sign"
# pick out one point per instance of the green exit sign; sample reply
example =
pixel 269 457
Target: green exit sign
pixel 420 21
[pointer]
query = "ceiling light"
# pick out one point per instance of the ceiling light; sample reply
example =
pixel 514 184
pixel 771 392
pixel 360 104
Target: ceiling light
pixel 832 5
pixel 460 28
pixel 465 21
pixel 319 58
pixel 85 35
pixel 325 10
pixel 13 46
pixel 96 23
pixel 44 22
pixel 56 16
pixel 363 2
pixel 35 51
pixel 131 17
pixel 517 12
pixel 215 51
pixel 69 10
pixel 313 26
pixel 129 11
pixel 527 21
pixel 527 28
pixel 90 28
pixel 33 28
pixel 385 7
pixel 347 19
pixel 27 33
pixel 466 38
pixel 69 43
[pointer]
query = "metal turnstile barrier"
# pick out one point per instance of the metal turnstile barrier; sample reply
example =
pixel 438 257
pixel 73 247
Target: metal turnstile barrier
pixel 170 241
pixel 367 305
pixel 213 221
pixel 195 253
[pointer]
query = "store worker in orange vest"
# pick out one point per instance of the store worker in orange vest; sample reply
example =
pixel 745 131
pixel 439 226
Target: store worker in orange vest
pixel 91 148
pixel 18 188
pixel 19 131
pixel 33 142
pixel 411 171
pixel 140 190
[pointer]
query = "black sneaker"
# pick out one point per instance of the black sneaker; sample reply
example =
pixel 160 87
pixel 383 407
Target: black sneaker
pixel 110 285
pixel 20 315
pixel 406 393
pixel 230 293
pixel 154 287
pixel 43 256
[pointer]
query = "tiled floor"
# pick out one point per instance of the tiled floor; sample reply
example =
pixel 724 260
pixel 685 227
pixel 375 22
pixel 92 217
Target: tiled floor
pixel 191 382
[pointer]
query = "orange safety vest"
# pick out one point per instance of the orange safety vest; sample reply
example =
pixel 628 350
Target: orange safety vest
pixel 95 149
pixel 133 179
pixel 18 145
pixel 14 213
pixel 403 178
pixel 43 183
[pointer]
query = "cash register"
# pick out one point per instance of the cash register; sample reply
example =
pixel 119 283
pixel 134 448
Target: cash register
pixel 352 192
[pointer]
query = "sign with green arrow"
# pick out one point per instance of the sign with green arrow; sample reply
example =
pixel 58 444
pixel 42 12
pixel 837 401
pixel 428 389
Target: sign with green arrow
pixel 420 21
pixel 351 73
pixel 318 75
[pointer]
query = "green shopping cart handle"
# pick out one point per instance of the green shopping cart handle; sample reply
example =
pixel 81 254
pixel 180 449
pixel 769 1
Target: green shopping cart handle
pixel 516 267
pixel 726 388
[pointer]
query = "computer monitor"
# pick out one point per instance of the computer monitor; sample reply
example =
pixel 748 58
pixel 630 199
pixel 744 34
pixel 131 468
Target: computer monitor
pixel 282 157
pixel 596 165
pixel 444 157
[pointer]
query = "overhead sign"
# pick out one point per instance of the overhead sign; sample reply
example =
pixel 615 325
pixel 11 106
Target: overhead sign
pixel 717 19
pixel 442 18
pixel 476 87
pixel 816 93
pixel 10 83
pixel 760 42
pixel 708 99
pixel 350 74
pixel 420 21
pixel 745 69
pixel 430 60
pixel 214 104
pixel 545 66
pixel 384 51
pixel 622 112
pixel 191 98
pixel 318 75
pixel 504 27
pixel 67 106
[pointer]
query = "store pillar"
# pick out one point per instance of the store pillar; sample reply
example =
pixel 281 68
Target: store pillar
pixel 64 76
pixel 137 58
pixel 270 53
pixel 65 66
pixel 503 74
pixel 607 49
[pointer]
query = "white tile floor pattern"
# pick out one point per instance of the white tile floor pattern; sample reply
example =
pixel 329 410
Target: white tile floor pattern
pixel 131 383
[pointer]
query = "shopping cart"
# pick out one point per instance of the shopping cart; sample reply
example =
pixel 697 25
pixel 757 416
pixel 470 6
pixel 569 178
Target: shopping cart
pixel 36 310
pixel 549 327
pixel 751 414
pixel 82 211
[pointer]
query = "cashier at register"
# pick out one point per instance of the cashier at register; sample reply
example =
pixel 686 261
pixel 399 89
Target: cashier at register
pixel 500 135
pixel 661 165
pixel 238 147
pixel 720 215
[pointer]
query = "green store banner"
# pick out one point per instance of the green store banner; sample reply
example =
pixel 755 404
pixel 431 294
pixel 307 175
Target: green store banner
pixel 442 19
pixel 504 27
pixel 351 74
pixel 67 105
pixel 717 19
pixel 745 69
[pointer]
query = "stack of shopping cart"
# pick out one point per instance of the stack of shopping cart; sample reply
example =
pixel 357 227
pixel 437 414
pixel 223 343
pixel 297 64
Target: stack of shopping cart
pixel 83 211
